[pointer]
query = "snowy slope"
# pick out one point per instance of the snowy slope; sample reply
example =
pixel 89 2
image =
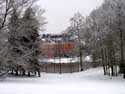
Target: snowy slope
pixel 88 82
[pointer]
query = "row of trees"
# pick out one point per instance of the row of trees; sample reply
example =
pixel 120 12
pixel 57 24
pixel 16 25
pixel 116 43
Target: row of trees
pixel 101 35
pixel 20 23
pixel 108 23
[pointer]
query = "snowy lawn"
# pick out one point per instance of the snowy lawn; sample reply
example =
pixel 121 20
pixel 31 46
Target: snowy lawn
pixel 88 82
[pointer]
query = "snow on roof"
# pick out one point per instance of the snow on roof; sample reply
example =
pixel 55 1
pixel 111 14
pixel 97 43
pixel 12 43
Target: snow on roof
pixel 66 60
pixel 60 60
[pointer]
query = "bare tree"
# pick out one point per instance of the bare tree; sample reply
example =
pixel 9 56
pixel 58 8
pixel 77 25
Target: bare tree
pixel 77 23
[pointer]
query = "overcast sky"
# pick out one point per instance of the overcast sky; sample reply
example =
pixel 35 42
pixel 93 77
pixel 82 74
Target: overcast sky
pixel 58 12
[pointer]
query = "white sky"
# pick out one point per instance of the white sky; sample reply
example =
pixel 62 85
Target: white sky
pixel 58 12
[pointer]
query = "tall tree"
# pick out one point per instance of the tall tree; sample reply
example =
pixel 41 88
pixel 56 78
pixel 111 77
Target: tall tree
pixel 77 23
pixel 6 8
pixel 24 41
pixel 30 38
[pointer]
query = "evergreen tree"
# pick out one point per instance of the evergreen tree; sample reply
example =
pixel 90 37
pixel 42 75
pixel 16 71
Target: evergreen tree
pixel 23 41
pixel 30 40
pixel 13 39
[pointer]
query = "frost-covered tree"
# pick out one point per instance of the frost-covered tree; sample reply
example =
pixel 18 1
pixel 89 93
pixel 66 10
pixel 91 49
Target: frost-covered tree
pixel 6 8
pixel 24 42
pixel 75 29
pixel 107 29
pixel 30 39
pixel 13 41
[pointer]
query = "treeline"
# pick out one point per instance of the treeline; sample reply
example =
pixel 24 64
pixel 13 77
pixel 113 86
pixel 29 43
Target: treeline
pixel 101 34
pixel 20 23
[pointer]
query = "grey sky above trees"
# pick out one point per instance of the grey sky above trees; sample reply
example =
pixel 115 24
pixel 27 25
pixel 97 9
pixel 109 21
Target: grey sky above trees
pixel 58 12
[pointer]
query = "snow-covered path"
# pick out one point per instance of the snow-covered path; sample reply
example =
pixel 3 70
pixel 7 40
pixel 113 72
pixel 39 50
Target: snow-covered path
pixel 88 82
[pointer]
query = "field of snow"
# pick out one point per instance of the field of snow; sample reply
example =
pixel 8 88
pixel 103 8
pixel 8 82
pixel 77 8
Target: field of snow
pixel 91 81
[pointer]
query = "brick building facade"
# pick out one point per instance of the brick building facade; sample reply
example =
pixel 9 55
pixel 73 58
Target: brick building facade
pixel 56 46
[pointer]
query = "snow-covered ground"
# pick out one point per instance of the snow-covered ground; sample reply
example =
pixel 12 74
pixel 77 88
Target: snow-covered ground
pixel 91 81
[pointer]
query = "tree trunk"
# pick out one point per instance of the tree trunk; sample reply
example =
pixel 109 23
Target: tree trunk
pixel 29 74
pixel 39 73
pixel 103 61
pixel 81 65
pixel 17 73
pixel 24 73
